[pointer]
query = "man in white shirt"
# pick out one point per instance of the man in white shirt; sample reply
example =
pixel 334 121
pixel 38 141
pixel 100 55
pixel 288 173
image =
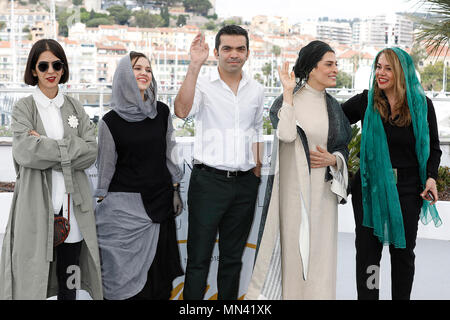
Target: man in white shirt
pixel 227 106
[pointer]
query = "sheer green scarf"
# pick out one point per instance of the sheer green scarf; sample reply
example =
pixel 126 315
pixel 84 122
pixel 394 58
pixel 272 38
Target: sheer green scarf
pixel 381 204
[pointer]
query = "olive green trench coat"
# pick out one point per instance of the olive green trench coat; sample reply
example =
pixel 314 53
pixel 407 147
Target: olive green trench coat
pixel 27 265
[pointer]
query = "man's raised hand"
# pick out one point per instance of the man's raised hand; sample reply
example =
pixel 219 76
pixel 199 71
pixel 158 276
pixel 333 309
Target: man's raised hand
pixel 199 50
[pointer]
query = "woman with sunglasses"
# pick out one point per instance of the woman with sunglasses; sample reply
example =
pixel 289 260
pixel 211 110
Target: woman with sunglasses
pixel 53 143
pixel 138 181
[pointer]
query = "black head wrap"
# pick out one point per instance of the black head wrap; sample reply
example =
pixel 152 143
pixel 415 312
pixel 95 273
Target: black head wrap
pixel 308 57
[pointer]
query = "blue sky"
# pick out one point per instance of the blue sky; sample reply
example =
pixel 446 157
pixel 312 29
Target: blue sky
pixel 296 10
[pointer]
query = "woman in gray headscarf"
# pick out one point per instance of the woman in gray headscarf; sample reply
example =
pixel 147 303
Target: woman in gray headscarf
pixel 138 185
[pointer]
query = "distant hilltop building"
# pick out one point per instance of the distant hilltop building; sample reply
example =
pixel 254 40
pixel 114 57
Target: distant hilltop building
pixel 270 25
pixel 340 32
pixel 213 7
pixel 384 30
pixel 95 5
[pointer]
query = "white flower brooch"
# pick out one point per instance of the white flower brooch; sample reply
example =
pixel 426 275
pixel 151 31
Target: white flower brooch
pixel 73 121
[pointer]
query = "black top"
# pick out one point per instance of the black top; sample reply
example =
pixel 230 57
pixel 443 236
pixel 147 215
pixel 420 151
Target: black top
pixel 401 140
pixel 141 161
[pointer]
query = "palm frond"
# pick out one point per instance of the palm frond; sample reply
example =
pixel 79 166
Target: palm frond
pixel 435 33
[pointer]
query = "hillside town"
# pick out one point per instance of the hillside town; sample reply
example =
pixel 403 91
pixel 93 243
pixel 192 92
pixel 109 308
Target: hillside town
pixel 95 45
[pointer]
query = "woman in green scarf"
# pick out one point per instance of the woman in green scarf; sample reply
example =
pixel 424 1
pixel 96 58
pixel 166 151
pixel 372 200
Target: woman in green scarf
pixel 399 162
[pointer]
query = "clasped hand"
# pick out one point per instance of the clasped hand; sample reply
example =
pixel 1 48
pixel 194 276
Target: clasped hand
pixel 321 158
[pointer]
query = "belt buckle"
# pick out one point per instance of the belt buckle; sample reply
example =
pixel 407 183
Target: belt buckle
pixel 231 174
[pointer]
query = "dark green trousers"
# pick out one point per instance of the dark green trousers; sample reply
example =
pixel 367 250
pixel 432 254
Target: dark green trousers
pixel 218 204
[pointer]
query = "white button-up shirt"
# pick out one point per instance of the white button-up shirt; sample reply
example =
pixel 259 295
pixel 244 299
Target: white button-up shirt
pixel 227 125
pixel 50 114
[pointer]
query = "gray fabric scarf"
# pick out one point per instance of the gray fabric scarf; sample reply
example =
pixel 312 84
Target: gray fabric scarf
pixel 126 98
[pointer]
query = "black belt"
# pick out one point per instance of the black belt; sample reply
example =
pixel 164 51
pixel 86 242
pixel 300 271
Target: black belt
pixel 225 173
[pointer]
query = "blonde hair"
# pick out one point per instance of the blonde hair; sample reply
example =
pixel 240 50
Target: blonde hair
pixel 379 100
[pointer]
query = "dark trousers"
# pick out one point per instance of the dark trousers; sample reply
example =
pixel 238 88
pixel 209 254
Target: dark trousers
pixel 369 248
pixel 67 254
pixel 218 204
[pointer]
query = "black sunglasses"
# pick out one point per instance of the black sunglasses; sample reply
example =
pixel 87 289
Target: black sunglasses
pixel 43 65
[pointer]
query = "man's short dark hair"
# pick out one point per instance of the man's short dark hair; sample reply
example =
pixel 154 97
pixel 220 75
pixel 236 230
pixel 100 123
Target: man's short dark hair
pixel 231 30
pixel 38 48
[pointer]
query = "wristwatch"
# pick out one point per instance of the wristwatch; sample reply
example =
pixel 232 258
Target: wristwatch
pixel 176 187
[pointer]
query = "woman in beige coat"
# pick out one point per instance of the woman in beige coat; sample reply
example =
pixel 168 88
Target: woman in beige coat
pixel 298 234
pixel 53 143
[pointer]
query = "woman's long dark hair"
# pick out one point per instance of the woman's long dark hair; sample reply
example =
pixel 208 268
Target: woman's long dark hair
pixel 308 57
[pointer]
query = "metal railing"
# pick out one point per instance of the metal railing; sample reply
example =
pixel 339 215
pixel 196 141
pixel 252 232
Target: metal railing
pixel 99 96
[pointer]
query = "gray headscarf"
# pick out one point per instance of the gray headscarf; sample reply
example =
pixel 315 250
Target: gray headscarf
pixel 126 98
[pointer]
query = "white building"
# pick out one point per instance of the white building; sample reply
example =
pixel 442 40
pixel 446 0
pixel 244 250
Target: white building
pixel 384 30
pixel 308 27
pixel 6 66
pixel 95 5
pixel 340 32
pixel 270 25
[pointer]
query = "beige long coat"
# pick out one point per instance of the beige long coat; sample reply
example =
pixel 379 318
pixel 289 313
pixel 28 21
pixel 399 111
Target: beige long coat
pixel 27 265
pixel 297 252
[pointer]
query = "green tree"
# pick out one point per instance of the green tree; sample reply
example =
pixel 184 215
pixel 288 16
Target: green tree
pixel 84 15
pixel 144 19
pixel 435 31
pixel 200 7
pixel 236 21
pixel 164 13
pixel 354 148
pixel 418 54
pixel 93 23
pixel 276 50
pixel 267 125
pixel 432 77
pixel 259 78
pixel 181 21
pixel 210 25
pixel 120 13
pixel 62 16
pixel 267 71
pixel 343 80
